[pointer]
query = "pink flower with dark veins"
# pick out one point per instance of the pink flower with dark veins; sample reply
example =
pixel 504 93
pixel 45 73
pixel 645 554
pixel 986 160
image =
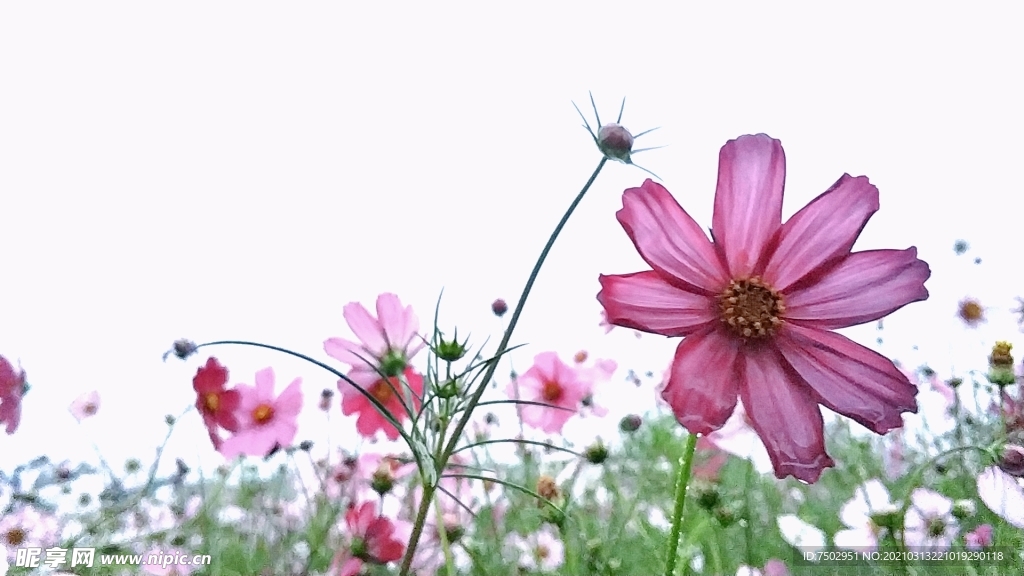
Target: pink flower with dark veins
pixel 757 305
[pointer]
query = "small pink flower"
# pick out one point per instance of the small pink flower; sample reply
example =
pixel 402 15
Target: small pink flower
pixel 551 382
pixel 980 537
pixel 757 304
pixel 264 421
pixel 215 403
pixel 373 540
pixel 599 372
pixel 27 527
pixel 929 523
pixel 542 551
pixel 387 344
pixel 12 388
pixel 85 406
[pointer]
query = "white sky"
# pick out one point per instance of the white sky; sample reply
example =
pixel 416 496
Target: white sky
pixel 241 170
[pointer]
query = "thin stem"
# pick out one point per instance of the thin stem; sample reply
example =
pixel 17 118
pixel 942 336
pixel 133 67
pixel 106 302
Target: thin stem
pixel 682 481
pixel 428 491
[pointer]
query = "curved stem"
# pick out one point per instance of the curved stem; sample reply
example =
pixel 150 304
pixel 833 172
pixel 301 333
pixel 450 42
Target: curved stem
pixel 428 491
pixel 682 481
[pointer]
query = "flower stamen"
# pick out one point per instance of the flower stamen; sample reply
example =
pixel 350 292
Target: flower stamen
pixel 751 308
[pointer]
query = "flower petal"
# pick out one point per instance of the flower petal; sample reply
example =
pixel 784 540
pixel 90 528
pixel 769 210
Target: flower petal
pixel 347 351
pixel 265 384
pixel 366 328
pixel 864 286
pixel 645 301
pixel 748 199
pixel 823 230
pixel 1003 495
pixel 785 414
pixel 399 323
pixel 669 240
pixel 702 384
pixel 848 378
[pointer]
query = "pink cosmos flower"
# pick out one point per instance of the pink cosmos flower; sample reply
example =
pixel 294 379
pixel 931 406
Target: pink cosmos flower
pixel 216 404
pixel 12 387
pixel 979 538
pixel 599 372
pixel 387 344
pixel 264 421
pixel 757 305
pixel 27 527
pixel 554 383
pixel 373 540
pixel 929 523
pixel 85 406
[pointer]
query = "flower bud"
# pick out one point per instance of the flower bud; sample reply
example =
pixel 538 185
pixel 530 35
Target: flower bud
pixel 325 399
pixel 382 481
pixel 451 351
pixel 182 348
pixel 963 509
pixel 1000 364
pixel 499 307
pixel 630 423
pixel 615 142
pixel 596 453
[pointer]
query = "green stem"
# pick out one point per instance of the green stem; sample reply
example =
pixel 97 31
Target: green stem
pixel 428 491
pixel 682 481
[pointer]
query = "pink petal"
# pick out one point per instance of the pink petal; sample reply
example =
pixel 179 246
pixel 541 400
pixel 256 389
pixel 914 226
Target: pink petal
pixel 265 384
pixel 399 323
pixel 848 378
pixel 864 286
pixel 545 367
pixel 347 351
pixel 366 328
pixel 785 414
pixel 289 403
pixel 748 200
pixel 702 386
pixel 644 301
pixel 669 240
pixel 821 231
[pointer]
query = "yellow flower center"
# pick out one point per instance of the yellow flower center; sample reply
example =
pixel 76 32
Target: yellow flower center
pixel 212 401
pixel 751 308
pixel 263 413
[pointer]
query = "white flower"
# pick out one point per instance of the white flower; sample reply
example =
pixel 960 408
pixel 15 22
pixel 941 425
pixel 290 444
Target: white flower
pixel 542 551
pixel 1003 494
pixel 929 523
pixel 861 533
pixel 745 570
pixel 800 534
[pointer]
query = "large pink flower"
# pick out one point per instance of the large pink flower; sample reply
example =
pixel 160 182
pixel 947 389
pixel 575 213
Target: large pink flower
pixel 757 304
pixel 387 344
pixel 264 421
pixel 12 387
